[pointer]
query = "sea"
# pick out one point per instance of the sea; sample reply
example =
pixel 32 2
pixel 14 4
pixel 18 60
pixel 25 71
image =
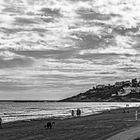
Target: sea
pixel 15 111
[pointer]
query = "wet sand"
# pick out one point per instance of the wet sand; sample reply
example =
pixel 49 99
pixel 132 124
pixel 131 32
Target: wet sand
pixel 96 127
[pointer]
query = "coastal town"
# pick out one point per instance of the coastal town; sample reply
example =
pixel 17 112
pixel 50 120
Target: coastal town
pixel 120 91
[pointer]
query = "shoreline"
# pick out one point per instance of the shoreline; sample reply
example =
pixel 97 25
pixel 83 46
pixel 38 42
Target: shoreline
pixel 69 116
pixel 96 126
pixel 63 117
pixel 60 116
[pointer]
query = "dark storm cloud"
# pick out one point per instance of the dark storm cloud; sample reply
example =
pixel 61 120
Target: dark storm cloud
pixel 15 62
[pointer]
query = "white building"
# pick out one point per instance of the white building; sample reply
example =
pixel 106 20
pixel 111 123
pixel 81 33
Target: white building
pixel 118 84
pixel 127 90
pixel 100 86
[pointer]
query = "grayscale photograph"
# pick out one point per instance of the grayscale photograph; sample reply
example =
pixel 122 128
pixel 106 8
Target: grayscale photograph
pixel 69 69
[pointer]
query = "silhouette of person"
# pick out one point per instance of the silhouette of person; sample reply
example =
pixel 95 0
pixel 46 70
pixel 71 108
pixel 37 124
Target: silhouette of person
pixel 78 112
pixel 49 125
pixel 0 123
pixel 72 113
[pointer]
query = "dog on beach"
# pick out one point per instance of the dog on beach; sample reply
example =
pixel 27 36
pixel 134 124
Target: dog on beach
pixel 49 125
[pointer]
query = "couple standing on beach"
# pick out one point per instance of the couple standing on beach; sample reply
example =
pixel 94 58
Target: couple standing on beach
pixel 78 112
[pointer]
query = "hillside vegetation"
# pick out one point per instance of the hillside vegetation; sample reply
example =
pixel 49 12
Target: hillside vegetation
pixel 124 91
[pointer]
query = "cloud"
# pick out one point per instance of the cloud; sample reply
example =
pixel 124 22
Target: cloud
pixel 88 41
pixel 56 54
pixel 23 21
pixel 89 14
pixel 130 69
pixel 13 87
pixel 64 47
pixel 106 73
pixel 50 12
pixel 123 30
pixel 13 10
pixel 22 30
pixel 15 62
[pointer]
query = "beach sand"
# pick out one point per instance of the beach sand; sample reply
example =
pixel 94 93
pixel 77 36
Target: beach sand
pixel 93 127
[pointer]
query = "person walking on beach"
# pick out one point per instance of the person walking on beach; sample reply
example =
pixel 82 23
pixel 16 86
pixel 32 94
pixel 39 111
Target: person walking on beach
pixel 78 112
pixel 72 113
pixel 0 123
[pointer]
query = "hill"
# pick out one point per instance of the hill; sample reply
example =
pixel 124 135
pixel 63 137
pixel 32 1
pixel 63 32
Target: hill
pixel 124 91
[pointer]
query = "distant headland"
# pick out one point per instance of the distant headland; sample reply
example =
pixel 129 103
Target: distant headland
pixel 123 91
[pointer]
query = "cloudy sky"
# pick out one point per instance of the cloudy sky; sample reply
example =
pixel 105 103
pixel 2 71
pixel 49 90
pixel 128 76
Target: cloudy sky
pixel 53 49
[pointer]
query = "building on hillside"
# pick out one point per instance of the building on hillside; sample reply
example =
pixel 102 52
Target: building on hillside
pixel 118 84
pixel 100 86
pixel 108 86
pixel 127 83
pixel 127 90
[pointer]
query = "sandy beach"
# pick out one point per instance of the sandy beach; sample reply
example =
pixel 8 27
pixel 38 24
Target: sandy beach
pixel 96 127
